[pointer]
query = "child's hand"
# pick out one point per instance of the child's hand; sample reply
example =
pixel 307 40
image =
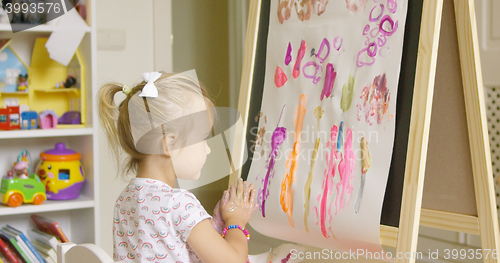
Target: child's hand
pixel 217 220
pixel 238 204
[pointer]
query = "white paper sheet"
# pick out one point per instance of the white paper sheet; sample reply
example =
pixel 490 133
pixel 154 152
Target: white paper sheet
pixel 348 36
pixel 66 37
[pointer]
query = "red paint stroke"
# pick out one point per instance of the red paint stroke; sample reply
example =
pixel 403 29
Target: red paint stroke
pixel 327 186
pixel 374 100
pixel 285 260
pixel 317 67
pixel 300 55
pixel 330 76
pixel 346 172
pixel 279 136
pixel 286 195
pixel 324 43
pixel 387 19
pixel 392 6
pixel 279 77
pixel 288 57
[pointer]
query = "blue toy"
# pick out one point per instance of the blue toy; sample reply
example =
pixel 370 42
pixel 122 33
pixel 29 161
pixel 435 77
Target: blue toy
pixel 29 120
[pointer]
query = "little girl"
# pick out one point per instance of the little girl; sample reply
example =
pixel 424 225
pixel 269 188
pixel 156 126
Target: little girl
pixel 158 125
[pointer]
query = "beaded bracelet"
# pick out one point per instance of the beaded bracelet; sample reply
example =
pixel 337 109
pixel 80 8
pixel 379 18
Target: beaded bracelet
pixel 245 231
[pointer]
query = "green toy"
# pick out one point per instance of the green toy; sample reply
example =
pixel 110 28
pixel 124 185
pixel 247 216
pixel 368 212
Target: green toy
pixel 20 186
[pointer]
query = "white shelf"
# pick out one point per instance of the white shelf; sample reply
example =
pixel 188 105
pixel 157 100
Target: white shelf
pixel 39 28
pixel 48 206
pixel 19 134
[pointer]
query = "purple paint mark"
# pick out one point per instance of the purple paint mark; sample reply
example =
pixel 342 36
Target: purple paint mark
pixel 330 76
pixel 315 79
pixel 369 59
pixel 300 54
pixel 279 136
pixel 392 6
pixel 324 43
pixel 288 57
pixel 346 172
pixel 394 26
pixel 336 43
pixel 366 29
pixel 382 40
pixel 371 19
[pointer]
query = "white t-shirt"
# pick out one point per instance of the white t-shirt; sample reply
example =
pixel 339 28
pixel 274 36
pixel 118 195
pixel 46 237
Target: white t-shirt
pixel 152 222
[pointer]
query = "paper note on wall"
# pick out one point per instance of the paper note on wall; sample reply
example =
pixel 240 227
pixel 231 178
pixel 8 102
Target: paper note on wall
pixel 68 33
pixel 325 132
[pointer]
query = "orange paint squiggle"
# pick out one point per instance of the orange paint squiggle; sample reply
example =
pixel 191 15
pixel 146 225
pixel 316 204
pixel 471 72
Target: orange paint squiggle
pixel 286 195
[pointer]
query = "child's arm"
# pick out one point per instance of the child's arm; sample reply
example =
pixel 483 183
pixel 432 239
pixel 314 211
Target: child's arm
pixel 209 245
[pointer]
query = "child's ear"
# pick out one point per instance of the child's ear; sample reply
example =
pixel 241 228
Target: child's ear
pixel 168 141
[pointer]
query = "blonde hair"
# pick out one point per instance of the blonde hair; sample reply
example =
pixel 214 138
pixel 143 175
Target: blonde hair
pixel 173 91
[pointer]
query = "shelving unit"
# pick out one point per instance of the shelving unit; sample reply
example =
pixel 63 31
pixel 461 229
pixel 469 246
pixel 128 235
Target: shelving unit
pixel 79 217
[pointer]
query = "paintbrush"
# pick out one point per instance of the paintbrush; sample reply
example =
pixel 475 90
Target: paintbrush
pixel 366 163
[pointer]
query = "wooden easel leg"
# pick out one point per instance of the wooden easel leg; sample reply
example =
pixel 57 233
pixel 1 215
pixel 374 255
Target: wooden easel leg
pixel 477 128
pixel 419 131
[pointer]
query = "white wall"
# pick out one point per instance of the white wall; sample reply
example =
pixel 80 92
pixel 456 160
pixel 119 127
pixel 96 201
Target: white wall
pixel 124 64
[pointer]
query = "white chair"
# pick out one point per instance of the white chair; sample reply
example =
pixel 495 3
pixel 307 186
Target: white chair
pixel 84 253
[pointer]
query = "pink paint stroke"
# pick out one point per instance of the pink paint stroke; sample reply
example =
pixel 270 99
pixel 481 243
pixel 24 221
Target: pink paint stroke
pixel 347 166
pixel 280 77
pixel 300 55
pixel 327 186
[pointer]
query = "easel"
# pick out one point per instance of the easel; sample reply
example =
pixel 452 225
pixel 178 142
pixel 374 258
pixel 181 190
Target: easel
pixel 480 217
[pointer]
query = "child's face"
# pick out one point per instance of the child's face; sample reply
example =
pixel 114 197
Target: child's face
pixel 189 160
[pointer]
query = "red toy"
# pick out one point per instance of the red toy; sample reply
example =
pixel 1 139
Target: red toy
pixel 9 118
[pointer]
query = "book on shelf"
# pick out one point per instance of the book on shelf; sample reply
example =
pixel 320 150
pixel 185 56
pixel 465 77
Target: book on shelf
pixel 8 253
pixel 12 240
pixel 44 238
pixel 45 250
pixel 50 227
pixel 27 242
pixel 22 244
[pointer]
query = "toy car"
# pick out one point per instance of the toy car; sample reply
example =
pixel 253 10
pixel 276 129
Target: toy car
pixel 15 191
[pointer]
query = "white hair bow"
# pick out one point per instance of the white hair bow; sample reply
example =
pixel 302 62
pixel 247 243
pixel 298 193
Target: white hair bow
pixel 150 89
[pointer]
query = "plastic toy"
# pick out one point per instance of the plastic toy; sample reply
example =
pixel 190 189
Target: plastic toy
pixel 29 120
pixel 68 83
pixel 48 119
pixel 9 118
pixel 20 186
pixel 61 172
pixel 22 82
pixel 70 117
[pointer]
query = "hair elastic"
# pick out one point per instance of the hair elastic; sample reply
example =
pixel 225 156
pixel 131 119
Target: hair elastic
pixel 126 89
pixel 245 231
